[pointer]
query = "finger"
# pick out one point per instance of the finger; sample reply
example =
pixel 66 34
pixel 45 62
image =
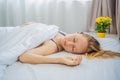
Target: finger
pixel 71 58
pixel 78 59
pixel 75 60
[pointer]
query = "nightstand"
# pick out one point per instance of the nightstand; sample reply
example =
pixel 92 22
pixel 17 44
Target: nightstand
pixel 94 34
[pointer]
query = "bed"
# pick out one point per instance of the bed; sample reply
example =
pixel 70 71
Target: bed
pixel 104 69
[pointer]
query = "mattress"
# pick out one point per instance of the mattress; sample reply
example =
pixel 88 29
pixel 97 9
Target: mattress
pixel 96 69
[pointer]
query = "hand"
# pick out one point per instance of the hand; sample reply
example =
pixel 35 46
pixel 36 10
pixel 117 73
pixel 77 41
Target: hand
pixel 72 61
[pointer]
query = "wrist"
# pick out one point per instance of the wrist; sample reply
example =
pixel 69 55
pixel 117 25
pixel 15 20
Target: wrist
pixel 60 60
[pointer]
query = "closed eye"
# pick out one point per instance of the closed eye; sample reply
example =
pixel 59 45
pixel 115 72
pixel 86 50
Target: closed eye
pixel 73 47
pixel 74 39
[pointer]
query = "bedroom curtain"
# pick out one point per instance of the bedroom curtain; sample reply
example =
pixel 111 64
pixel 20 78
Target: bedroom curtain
pixel 105 8
pixel 69 15
pixel 118 17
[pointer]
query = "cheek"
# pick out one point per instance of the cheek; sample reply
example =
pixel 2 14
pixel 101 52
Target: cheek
pixel 67 49
pixel 82 48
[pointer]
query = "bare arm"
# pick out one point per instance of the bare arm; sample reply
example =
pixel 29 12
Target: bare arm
pixel 38 59
pixel 46 48
pixel 39 56
pixel 30 57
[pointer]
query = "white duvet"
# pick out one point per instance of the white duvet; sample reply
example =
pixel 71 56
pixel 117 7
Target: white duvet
pixel 15 40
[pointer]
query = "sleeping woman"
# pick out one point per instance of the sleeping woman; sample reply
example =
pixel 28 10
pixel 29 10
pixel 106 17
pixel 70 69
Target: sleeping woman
pixel 76 43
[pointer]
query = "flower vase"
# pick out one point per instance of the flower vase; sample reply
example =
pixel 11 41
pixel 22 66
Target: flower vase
pixel 101 34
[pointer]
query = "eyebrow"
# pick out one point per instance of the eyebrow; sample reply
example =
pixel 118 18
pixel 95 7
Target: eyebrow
pixel 76 40
pixel 73 49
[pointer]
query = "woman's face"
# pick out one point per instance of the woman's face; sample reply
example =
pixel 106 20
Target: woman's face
pixel 74 43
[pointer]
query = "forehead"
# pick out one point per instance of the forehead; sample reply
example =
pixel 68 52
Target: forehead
pixel 81 43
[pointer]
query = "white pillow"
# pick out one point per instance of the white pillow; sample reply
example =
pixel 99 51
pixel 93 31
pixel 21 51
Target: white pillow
pixel 110 44
pixel 24 38
pixel 2 69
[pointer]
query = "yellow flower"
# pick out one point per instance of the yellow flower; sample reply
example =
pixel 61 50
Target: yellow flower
pixel 103 19
pixel 108 19
pixel 102 23
pixel 98 20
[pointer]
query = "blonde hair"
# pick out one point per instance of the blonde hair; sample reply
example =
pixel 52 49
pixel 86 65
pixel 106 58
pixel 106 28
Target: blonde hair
pixel 94 50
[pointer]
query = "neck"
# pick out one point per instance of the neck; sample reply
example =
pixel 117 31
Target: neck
pixel 58 39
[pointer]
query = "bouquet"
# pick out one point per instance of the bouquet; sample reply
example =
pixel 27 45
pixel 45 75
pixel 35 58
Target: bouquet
pixel 102 24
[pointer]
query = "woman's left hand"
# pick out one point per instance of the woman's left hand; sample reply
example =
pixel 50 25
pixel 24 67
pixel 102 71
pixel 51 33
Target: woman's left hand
pixel 72 61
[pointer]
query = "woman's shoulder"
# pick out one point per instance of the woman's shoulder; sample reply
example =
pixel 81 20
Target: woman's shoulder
pixel 62 32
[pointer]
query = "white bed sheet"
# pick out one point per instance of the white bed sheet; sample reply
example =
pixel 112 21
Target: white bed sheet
pixel 2 70
pixel 105 69
pixel 88 70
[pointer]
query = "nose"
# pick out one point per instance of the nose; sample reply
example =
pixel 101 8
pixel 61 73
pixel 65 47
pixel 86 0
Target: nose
pixel 69 43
